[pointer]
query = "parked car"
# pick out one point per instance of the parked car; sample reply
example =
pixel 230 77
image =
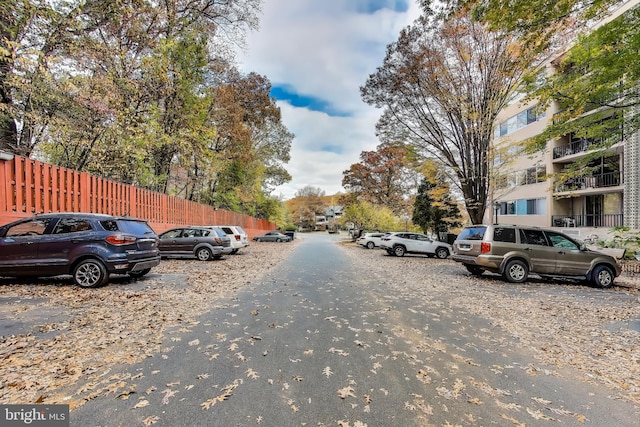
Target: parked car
pixel 87 246
pixel 203 243
pixel 515 251
pixel 239 238
pixel 370 240
pixel 272 236
pixel 401 243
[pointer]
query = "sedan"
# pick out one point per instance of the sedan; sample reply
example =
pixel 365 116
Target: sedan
pixel 272 236
pixel 401 243
pixel 194 242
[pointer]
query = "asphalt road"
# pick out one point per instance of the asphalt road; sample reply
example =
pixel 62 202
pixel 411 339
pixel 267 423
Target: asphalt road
pixel 320 342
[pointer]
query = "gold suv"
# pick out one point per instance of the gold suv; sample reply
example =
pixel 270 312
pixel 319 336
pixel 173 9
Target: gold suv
pixel 515 251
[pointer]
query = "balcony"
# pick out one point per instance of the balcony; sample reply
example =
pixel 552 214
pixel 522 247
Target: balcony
pixel 575 147
pixel 610 179
pixel 594 220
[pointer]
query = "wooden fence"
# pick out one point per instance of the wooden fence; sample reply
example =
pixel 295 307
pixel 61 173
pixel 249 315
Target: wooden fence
pixel 28 187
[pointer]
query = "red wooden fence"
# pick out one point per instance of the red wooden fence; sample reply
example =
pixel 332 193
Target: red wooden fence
pixel 28 187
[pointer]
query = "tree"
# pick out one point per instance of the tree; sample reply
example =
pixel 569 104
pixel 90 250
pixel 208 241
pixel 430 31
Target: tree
pixel 434 209
pixel 307 203
pixel 382 178
pixel 367 216
pixel 143 93
pixel 595 82
pixel 442 85
pixel 598 102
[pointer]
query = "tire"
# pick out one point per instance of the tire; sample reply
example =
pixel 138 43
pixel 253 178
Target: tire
pixel 204 254
pixel 474 269
pixel 235 251
pixel 390 252
pixel 278 240
pixel 140 273
pixel 371 245
pixel 602 276
pixel 90 273
pixel 442 253
pixel 516 271
pixel 258 240
pixel 399 250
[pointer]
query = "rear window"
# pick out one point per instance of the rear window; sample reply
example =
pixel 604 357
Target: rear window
pixel 472 233
pixel 240 230
pixel 133 227
pixel 507 235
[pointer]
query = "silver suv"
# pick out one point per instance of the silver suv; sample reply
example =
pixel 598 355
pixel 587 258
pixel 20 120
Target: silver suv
pixel 515 251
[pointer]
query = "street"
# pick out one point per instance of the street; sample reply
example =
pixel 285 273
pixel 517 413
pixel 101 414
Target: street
pixel 322 340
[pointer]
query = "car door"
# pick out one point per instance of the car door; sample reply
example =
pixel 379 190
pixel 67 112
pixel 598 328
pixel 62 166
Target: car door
pixel 59 245
pixel 423 244
pixel 170 241
pixel 570 260
pixel 19 246
pixel 541 254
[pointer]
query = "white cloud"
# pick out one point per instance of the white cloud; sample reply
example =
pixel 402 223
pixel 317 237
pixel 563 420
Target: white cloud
pixel 323 49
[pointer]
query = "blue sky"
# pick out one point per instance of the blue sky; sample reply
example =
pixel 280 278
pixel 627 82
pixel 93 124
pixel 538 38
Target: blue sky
pixel 317 54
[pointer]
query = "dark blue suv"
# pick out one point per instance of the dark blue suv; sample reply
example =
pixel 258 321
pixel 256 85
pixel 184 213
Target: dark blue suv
pixel 87 246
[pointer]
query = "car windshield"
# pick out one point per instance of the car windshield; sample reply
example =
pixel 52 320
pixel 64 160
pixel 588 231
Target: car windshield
pixel 472 233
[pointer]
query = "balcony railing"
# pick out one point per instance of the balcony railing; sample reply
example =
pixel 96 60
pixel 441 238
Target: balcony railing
pixel 589 220
pixel 611 179
pixel 572 148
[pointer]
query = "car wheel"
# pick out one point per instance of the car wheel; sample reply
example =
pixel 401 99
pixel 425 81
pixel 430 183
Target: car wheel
pixel 516 271
pixel 204 254
pixel 90 273
pixel 371 245
pixel 602 276
pixel 442 253
pixel 258 240
pixel 399 250
pixel 474 269
pixel 235 251
pixel 278 240
pixel 138 274
pixel 390 252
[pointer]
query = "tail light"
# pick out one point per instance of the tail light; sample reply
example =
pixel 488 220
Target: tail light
pixel 485 247
pixel 120 239
pixel 237 237
pixel 218 241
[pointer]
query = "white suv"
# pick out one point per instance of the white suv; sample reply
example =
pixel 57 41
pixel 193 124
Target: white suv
pixel 370 240
pixel 238 236
pixel 399 244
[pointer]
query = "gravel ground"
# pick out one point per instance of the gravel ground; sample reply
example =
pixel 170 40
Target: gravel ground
pixel 562 324
pixel 59 343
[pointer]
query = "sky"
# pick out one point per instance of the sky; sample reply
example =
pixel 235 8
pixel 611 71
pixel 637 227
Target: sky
pixel 317 54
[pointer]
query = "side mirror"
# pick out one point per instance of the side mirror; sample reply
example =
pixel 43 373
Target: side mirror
pixel 583 247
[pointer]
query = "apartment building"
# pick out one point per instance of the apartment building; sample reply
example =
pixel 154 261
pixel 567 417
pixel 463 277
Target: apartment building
pixel 526 191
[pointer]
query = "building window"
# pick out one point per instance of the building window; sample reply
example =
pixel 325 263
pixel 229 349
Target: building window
pixel 518 121
pixel 524 207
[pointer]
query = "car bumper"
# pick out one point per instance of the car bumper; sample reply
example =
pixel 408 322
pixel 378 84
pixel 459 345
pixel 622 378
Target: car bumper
pixel 487 261
pixel 124 265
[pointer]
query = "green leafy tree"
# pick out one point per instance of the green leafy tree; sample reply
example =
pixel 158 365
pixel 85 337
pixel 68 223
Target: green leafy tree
pixel 434 209
pixel 596 86
pixel 367 216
